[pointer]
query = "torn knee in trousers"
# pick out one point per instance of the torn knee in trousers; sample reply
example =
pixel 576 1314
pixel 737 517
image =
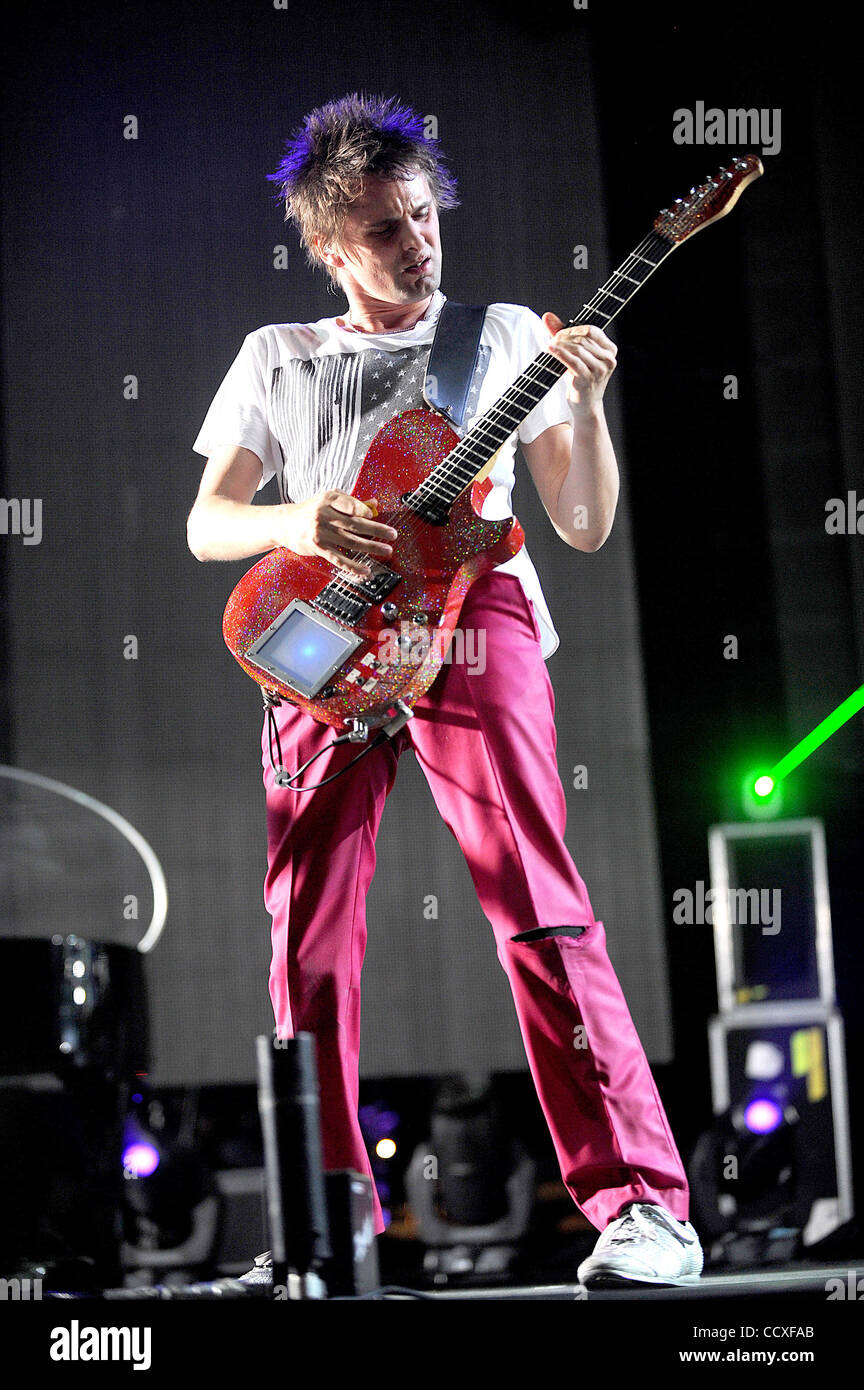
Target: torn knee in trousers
pixel 544 933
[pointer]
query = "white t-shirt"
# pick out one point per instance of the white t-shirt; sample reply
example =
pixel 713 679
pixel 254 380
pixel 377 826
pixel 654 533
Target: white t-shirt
pixel 309 398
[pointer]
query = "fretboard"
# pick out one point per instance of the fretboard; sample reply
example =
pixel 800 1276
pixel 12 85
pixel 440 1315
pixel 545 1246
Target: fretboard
pixel 461 466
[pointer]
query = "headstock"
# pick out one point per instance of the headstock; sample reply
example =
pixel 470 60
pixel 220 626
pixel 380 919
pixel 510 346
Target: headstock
pixel 710 201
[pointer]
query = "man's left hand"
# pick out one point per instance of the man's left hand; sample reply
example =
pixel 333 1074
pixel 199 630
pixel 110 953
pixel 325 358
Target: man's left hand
pixel 589 357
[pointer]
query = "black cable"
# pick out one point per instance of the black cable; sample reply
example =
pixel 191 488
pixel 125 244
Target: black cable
pixel 280 773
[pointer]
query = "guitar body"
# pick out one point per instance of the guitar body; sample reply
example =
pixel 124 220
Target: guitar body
pixel 399 655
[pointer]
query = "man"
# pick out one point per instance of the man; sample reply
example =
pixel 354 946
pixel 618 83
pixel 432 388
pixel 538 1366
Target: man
pixel 302 402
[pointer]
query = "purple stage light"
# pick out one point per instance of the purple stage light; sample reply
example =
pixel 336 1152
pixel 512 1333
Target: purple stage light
pixel 140 1160
pixel 763 1115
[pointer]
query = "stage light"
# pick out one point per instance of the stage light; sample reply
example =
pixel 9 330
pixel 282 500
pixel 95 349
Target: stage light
pixel 744 1178
pixel 378 1125
pixel 761 789
pixel 763 1115
pixel 140 1160
pixel 761 795
pixel 851 705
pixel 470 1184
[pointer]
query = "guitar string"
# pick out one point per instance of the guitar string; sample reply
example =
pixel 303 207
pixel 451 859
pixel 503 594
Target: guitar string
pixel 490 423
pixel 545 363
pixel 513 397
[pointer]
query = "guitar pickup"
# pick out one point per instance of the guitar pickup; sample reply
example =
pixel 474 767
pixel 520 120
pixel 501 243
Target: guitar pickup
pixel 378 585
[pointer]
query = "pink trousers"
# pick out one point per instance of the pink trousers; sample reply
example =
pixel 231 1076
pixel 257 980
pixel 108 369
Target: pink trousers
pixel 486 744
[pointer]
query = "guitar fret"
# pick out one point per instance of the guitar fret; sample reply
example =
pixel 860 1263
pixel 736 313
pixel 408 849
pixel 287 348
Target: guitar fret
pixel 460 467
pixel 641 275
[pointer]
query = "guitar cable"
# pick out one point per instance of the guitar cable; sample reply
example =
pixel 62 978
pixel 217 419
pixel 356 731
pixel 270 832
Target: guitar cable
pixel 280 772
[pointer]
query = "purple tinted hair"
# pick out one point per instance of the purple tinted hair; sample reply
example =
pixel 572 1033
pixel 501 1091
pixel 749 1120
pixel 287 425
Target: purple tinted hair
pixel 336 146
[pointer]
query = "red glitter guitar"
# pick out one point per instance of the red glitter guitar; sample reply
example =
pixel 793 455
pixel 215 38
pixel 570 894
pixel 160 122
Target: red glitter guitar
pixel 360 652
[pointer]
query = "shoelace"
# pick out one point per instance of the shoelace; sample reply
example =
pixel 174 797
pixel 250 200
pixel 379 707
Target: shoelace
pixel 632 1223
pixel 644 1222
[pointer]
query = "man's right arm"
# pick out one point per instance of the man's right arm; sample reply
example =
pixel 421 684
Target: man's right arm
pixel 224 525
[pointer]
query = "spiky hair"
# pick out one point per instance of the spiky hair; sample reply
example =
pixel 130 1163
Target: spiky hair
pixel 336 146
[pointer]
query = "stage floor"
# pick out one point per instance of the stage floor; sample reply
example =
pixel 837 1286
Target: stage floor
pixel 811 1281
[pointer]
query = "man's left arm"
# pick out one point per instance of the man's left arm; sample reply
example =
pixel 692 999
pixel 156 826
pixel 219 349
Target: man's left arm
pixel 574 466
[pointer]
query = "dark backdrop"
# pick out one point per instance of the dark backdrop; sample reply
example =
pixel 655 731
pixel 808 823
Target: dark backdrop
pixel 729 498
pixel 154 257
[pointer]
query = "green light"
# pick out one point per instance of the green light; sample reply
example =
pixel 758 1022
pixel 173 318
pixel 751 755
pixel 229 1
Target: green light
pixel 761 799
pixel 818 736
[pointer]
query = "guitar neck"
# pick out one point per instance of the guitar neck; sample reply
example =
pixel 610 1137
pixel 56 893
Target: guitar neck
pixel 470 456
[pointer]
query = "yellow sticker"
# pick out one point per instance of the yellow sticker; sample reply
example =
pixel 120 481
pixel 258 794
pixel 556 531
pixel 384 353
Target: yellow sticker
pixel 808 1059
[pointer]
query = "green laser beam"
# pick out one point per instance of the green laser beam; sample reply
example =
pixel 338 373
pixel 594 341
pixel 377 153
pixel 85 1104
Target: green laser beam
pixel 817 736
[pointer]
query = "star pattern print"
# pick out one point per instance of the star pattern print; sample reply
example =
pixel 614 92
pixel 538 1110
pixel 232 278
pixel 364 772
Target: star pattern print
pixel 327 410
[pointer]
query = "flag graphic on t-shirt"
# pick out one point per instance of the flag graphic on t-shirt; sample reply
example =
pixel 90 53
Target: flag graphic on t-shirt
pixel 327 410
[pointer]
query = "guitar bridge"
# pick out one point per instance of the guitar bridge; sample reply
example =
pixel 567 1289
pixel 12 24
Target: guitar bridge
pixel 349 600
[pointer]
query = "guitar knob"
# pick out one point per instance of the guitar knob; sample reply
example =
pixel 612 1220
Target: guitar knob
pixel 328 692
pixel 389 611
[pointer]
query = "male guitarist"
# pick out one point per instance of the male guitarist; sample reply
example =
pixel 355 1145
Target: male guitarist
pixel 303 402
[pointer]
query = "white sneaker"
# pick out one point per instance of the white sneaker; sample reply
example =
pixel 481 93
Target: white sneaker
pixel 644 1245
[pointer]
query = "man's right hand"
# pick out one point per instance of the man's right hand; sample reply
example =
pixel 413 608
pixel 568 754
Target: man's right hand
pixel 332 523
pixel 224 525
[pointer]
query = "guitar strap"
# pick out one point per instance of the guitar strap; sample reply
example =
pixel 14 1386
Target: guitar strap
pixel 453 359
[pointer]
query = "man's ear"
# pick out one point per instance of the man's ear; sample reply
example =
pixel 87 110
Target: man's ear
pixel 328 253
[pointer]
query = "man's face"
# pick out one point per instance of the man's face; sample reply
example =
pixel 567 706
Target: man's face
pixel 390 250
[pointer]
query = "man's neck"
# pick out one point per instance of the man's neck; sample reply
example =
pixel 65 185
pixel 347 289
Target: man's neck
pixel 377 317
